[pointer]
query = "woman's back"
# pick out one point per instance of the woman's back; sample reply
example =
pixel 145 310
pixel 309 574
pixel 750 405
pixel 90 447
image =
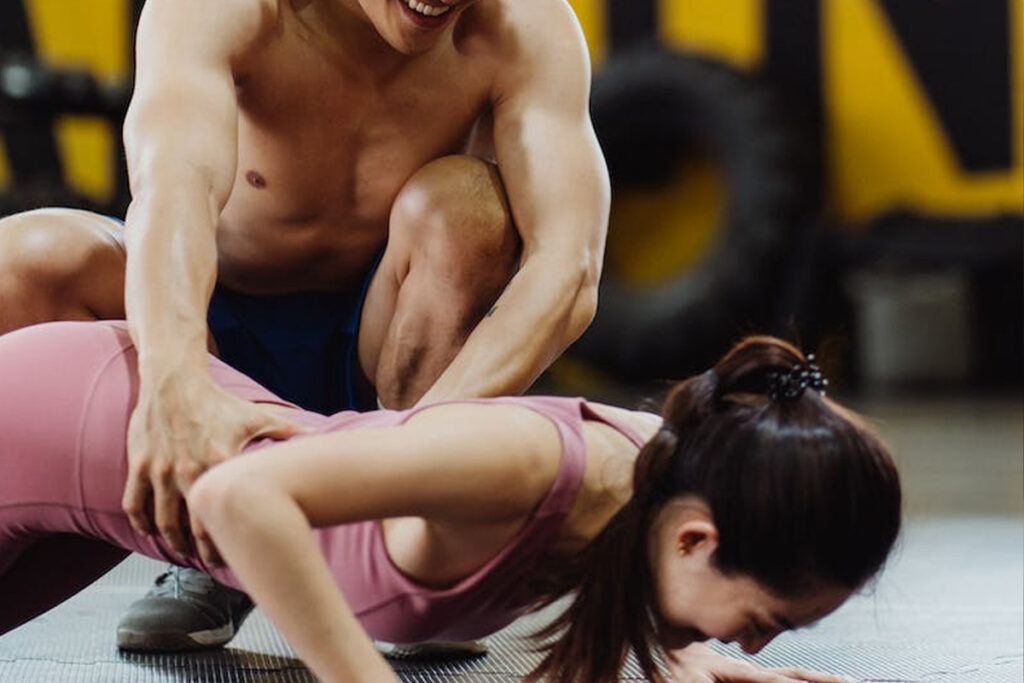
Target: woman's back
pixel 69 391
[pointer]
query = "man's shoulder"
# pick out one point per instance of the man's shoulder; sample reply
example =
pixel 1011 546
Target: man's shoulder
pixel 232 24
pixel 523 28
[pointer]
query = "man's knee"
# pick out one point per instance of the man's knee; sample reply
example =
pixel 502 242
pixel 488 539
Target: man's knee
pixel 57 263
pixel 453 212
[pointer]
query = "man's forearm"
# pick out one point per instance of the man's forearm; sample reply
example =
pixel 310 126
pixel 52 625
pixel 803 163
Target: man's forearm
pixel 171 270
pixel 545 307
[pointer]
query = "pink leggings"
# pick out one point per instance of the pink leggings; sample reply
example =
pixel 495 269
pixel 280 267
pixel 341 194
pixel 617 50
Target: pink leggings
pixel 66 393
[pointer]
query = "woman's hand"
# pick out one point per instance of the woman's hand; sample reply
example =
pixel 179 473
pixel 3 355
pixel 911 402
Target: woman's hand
pixel 697 663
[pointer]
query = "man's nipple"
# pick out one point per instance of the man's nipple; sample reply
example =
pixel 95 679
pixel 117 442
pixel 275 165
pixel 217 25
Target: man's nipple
pixel 255 179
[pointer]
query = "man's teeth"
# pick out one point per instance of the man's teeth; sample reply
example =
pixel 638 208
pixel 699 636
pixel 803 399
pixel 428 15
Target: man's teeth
pixel 426 10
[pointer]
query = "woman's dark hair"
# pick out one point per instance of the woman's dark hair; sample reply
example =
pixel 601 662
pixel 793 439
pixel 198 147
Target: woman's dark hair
pixel 803 494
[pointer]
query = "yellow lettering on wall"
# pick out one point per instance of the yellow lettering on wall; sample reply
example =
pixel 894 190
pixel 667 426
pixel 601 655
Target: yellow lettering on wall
pixel 5 166
pixel 730 30
pixel 593 19
pixel 887 149
pixel 95 36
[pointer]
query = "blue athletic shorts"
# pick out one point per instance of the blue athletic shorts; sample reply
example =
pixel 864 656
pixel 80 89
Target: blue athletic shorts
pixel 300 346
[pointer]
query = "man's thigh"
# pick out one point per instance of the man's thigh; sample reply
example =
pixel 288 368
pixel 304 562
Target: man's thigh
pixel 60 264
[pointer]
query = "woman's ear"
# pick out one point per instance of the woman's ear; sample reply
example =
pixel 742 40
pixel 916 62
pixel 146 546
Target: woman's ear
pixel 696 537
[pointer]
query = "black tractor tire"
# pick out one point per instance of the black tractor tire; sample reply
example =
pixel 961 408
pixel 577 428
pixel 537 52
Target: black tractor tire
pixel 650 110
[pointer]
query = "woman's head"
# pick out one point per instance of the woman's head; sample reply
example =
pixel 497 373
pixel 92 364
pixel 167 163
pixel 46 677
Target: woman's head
pixel 759 506
pixel 694 600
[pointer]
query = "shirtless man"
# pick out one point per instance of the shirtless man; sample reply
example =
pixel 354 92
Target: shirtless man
pixel 429 164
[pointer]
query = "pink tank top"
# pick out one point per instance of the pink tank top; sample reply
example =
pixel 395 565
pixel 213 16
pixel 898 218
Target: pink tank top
pixel 393 607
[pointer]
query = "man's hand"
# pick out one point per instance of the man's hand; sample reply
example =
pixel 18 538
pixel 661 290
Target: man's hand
pixel 178 430
pixel 698 663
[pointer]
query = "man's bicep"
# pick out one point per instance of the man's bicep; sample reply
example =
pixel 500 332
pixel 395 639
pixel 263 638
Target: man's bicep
pixel 184 99
pixel 555 176
pixel 549 157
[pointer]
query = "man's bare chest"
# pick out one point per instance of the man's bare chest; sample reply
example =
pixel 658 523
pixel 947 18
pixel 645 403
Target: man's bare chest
pixel 309 129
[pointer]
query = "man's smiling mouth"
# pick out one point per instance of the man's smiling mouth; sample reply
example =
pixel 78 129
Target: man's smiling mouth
pixel 425 9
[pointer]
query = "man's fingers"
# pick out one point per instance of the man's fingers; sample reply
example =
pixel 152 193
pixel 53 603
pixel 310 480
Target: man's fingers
pixel 167 513
pixel 186 471
pixel 133 502
pixel 270 426
pixel 204 544
pixel 208 552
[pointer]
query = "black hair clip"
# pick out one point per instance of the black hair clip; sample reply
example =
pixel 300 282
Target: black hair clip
pixel 791 384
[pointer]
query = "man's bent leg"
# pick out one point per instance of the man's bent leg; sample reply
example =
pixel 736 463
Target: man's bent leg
pixel 452 248
pixel 59 264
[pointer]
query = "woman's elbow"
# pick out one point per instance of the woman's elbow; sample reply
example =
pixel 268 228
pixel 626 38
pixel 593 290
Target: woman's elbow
pixel 217 496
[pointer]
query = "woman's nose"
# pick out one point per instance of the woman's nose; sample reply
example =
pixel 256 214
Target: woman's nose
pixel 754 644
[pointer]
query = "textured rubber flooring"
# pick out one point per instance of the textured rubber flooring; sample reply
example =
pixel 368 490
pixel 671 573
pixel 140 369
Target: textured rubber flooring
pixel 947 610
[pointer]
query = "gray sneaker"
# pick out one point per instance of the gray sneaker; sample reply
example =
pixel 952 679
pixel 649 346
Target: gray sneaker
pixel 184 610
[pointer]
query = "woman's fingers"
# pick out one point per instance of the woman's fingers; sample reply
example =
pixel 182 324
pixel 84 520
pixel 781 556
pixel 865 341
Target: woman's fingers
pixel 698 663
pixel 798 674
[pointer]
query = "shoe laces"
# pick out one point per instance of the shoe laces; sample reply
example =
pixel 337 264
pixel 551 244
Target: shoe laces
pixel 176 582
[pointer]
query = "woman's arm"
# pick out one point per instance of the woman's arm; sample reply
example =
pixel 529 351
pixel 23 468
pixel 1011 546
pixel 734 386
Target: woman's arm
pixel 267 541
pixel 453 462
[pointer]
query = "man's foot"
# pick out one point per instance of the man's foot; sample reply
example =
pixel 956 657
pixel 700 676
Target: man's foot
pixel 466 649
pixel 184 610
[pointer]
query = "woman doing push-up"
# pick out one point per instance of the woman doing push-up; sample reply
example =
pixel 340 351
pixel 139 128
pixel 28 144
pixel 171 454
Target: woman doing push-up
pixel 750 506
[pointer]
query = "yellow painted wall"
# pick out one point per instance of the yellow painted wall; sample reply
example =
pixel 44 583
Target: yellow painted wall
pixel 593 19
pixel 731 30
pixel 93 35
pixel 887 148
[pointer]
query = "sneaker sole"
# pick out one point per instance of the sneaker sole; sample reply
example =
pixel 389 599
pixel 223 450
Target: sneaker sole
pixel 469 649
pixel 150 641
